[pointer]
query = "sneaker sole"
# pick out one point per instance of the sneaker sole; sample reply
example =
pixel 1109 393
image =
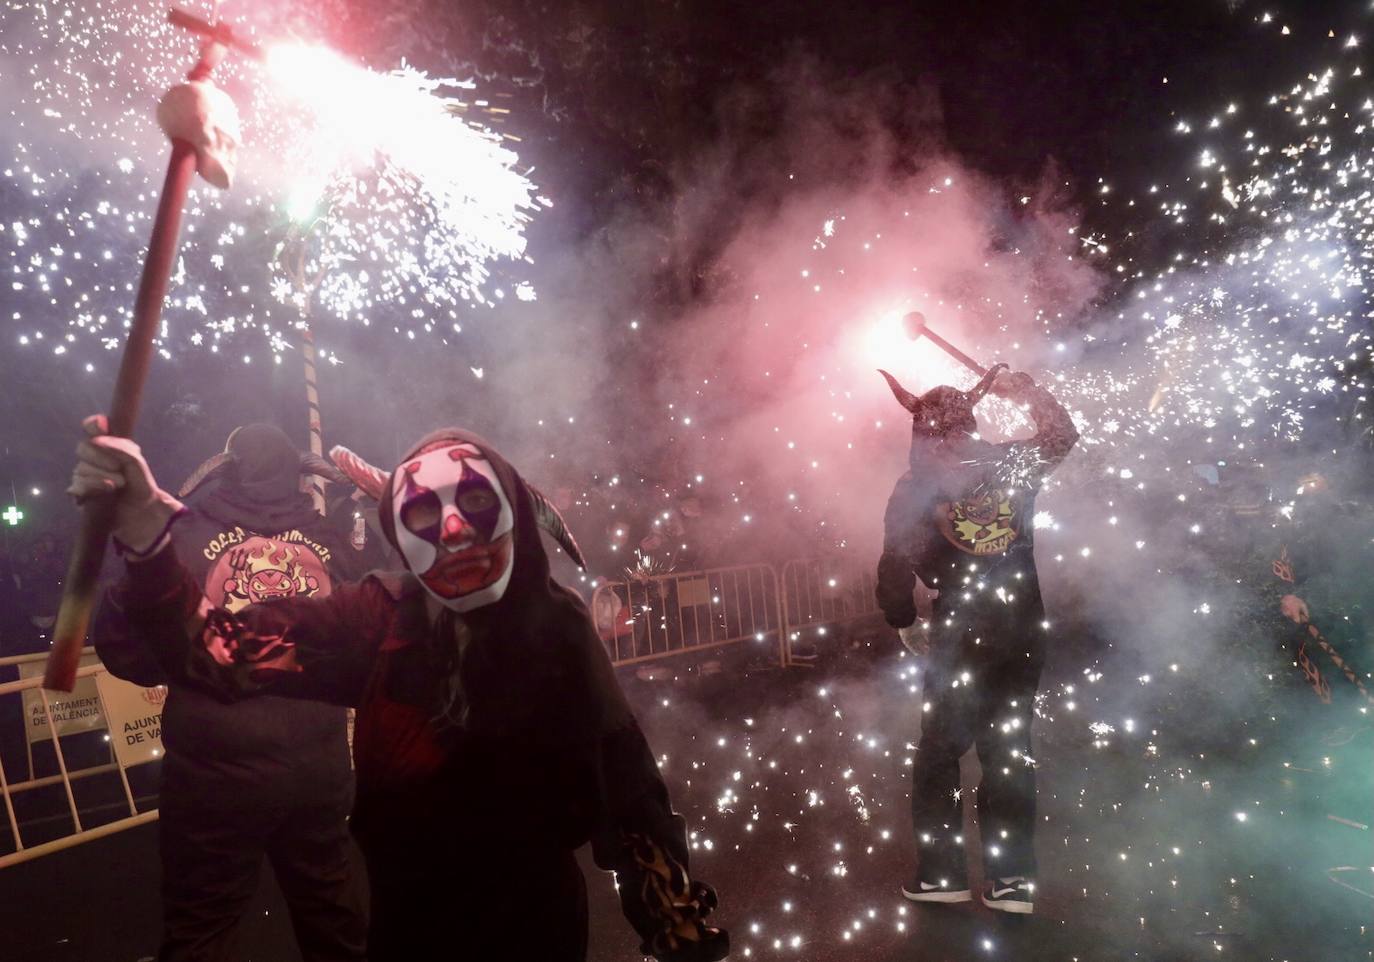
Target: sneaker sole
pixel 941 895
pixel 1006 905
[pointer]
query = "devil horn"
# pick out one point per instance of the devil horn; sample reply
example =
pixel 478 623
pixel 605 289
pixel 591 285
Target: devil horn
pixel 904 397
pixel 369 479
pixel 313 464
pixel 976 393
pixel 209 468
pixel 551 520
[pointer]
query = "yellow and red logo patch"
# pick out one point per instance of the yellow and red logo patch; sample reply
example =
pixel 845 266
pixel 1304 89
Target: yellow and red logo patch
pixel 983 525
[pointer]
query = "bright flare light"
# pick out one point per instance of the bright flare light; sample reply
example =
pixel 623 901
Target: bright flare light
pixel 417 201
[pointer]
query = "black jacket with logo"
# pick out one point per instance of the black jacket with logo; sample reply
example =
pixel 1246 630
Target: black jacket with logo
pixel 241 552
pixel 963 521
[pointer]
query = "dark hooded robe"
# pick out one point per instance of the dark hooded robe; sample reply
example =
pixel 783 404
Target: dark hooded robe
pixel 488 746
pixel 962 520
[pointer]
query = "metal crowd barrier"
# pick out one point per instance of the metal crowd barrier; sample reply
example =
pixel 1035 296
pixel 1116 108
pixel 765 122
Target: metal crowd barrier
pixel 76 718
pixel 818 593
pixel 684 611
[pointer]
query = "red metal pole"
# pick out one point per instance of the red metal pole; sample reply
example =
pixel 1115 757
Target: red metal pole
pixel 88 553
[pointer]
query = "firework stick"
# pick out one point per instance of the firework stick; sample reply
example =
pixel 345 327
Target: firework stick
pixel 88 552
pixel 294 247
pixel 917 327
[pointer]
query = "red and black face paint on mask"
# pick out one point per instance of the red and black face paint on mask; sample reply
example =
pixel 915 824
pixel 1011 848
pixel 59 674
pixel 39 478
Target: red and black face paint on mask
pixel 455 525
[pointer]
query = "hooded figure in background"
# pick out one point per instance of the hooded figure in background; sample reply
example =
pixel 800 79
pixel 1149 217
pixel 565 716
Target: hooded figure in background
pixel 961 520
pixel 267 777
pixel 492 737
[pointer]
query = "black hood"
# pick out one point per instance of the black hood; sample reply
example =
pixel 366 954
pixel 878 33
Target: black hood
pixel 258 484
pixel 266 465
pixel 533 662
pixel 531 565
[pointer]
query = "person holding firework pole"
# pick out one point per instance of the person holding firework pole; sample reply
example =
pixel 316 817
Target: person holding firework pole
pixel 492 738
pixel 961 521
pixel 263 778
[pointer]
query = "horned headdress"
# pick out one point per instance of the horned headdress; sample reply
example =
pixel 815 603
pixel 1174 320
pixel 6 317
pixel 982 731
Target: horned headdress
pixel 943 410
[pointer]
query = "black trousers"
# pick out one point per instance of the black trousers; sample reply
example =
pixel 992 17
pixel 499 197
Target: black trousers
pixel 979 691
pixel 512 906
pixel 213 843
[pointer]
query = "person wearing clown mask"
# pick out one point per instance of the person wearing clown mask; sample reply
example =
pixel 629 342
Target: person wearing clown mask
pixel 492 738
pixel 960 520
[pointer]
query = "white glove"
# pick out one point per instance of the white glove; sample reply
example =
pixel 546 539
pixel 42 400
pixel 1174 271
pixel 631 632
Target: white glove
pixel 114 467
pixel 916 637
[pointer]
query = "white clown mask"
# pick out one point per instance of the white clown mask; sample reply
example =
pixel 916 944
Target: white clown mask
pixel 455 525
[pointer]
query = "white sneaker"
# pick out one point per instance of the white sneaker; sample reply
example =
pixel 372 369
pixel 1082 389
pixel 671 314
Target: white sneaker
pixel 1015 894
pixel 941 890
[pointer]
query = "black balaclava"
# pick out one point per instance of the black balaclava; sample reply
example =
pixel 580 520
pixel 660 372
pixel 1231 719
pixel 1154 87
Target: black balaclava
pixel 258 482
pixel 266 465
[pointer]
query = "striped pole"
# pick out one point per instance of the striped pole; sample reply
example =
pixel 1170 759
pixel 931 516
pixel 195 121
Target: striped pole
pixel 291 256
pixel 1340 662
pixel 312 400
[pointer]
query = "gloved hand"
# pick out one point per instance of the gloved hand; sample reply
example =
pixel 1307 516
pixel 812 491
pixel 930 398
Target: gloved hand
pixel 114 467
pixel 916 638
pixel 691 940
pixel 1012 385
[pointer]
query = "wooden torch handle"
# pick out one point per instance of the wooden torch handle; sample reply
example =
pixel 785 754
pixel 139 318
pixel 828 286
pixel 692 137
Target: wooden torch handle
pixel 88 553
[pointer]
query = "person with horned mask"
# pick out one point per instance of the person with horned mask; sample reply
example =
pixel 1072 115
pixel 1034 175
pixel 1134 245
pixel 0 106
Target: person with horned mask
pixel 492 737
pixel 961 520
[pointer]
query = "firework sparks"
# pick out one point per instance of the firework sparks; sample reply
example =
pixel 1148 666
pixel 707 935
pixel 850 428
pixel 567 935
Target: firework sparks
pixel 413 203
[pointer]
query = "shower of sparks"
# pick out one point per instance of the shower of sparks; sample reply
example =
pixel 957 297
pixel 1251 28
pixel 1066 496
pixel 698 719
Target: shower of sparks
pixel 1262 320
pixel 1242 342
pixel 1256 334
pixel 411 202
pixel 1245 343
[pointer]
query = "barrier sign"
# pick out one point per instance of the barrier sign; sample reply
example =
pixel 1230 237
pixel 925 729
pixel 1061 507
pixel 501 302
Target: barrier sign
pixel 693 592
pixel 77 711
pixel 135 719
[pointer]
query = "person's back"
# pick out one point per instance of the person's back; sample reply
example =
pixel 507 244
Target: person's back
pixel 267 777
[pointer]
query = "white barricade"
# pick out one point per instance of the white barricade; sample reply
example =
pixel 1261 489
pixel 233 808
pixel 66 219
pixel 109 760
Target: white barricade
pixel 818 593
pixel 686 611
pixel 132 716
